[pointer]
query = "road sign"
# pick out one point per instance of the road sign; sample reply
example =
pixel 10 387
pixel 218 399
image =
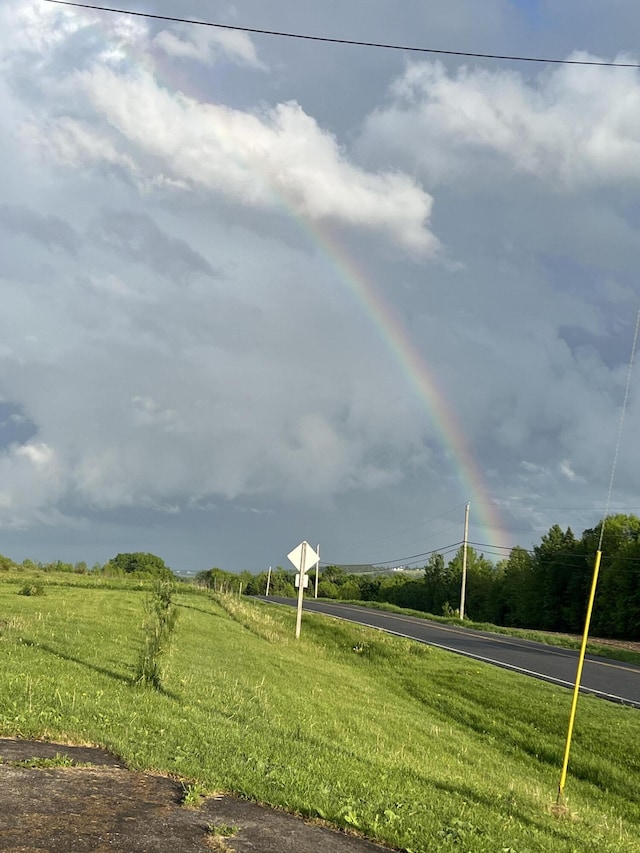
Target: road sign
pixel 303 558
pixel 305 582
pixel 310 557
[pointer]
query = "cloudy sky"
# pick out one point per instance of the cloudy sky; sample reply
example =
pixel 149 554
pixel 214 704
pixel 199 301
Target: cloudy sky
pixel 258 290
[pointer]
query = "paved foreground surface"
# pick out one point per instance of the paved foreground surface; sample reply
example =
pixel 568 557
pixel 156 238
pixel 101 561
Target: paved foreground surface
pixel 105 807
pixel 608 679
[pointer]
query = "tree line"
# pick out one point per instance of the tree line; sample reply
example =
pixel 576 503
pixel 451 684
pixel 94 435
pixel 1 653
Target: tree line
pixel 142 565
pixel 545 588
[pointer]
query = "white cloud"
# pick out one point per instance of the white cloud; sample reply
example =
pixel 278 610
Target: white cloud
pixel 572 127
pixel 276 157
pixel 111 112
pixel 567 471
pixel 208 45
pixel 32 481
pixel 39 454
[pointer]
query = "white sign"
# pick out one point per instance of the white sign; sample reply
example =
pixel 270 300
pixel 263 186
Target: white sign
pixel 310 557
pixel 305 582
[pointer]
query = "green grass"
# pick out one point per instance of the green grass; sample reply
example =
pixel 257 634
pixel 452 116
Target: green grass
pixel 413 746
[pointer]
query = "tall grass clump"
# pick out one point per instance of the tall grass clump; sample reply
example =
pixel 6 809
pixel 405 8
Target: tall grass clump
pixel 34 587
pixel 161 615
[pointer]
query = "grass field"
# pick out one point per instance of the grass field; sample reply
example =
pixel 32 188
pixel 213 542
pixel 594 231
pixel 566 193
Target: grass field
pixel 409 745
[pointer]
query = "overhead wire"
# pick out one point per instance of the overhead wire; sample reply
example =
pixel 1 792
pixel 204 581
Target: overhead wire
pixel 620 426
pixel 345 41
pixel 420 541
pixel 396 561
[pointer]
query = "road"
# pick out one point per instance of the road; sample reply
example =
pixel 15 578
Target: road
pixel 608 679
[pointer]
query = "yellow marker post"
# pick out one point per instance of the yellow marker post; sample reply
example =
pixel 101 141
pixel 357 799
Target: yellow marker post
pixel 576 689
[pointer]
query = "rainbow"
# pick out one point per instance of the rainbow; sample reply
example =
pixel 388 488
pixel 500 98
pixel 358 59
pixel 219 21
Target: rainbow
pixel 484 512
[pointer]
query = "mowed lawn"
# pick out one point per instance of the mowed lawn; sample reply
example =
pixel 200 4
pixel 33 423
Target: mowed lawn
pixel 409 745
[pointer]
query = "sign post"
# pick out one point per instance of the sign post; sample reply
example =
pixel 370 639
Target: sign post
pixel 303 558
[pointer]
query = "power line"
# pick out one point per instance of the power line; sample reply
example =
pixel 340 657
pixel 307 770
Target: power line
pixel 620 426
pixel 534 507
pixel 565 558
pixel 421 541
pixel 398 560
pixel 344 41
pixel 442 553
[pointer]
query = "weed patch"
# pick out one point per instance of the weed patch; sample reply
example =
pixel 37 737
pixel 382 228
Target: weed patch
pixel 32 588
pixel 158 628
pixel 192 795
pixel 224 830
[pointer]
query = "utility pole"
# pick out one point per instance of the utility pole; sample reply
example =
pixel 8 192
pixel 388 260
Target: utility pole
pixel 463 589
pixel 317 569
pixel 268 582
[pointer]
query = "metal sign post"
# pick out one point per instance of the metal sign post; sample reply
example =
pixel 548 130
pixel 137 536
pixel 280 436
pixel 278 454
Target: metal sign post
pixel 303 558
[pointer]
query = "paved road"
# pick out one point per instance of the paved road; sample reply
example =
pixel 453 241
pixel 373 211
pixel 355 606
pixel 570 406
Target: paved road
pixel 613 680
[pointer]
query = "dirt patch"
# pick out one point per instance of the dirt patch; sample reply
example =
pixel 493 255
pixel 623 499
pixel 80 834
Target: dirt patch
pixel 105 807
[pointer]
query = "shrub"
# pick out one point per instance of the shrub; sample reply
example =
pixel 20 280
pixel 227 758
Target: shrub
pixel 158 627
pixel 32 588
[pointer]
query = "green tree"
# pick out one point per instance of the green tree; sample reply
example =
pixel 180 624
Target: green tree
pixel 481 575
pixel 616 610
pixel 327 589
pixel 555 559
pixel 219 580
pixel 349 590
pixel 6 563
pixel 334 574
pixel 438 584
pixel 513 586
pixel 139 563
pixel 282 583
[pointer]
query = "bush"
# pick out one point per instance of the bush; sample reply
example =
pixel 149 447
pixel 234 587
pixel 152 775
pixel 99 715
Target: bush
pixel 32 588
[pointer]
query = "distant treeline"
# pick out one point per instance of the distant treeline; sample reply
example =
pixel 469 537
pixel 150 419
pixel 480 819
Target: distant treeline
pixel 138 564
pixel 546 588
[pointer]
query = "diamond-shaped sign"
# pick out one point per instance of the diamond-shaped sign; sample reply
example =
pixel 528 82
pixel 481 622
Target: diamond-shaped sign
pixel 310 557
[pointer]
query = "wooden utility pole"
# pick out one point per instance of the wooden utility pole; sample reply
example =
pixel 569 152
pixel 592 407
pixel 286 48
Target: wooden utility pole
pixel 463 589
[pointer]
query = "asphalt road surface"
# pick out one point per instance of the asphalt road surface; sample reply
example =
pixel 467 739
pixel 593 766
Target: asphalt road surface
pixel 608 679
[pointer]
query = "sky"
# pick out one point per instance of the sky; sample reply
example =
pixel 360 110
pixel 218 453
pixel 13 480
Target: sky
pixel 258 290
